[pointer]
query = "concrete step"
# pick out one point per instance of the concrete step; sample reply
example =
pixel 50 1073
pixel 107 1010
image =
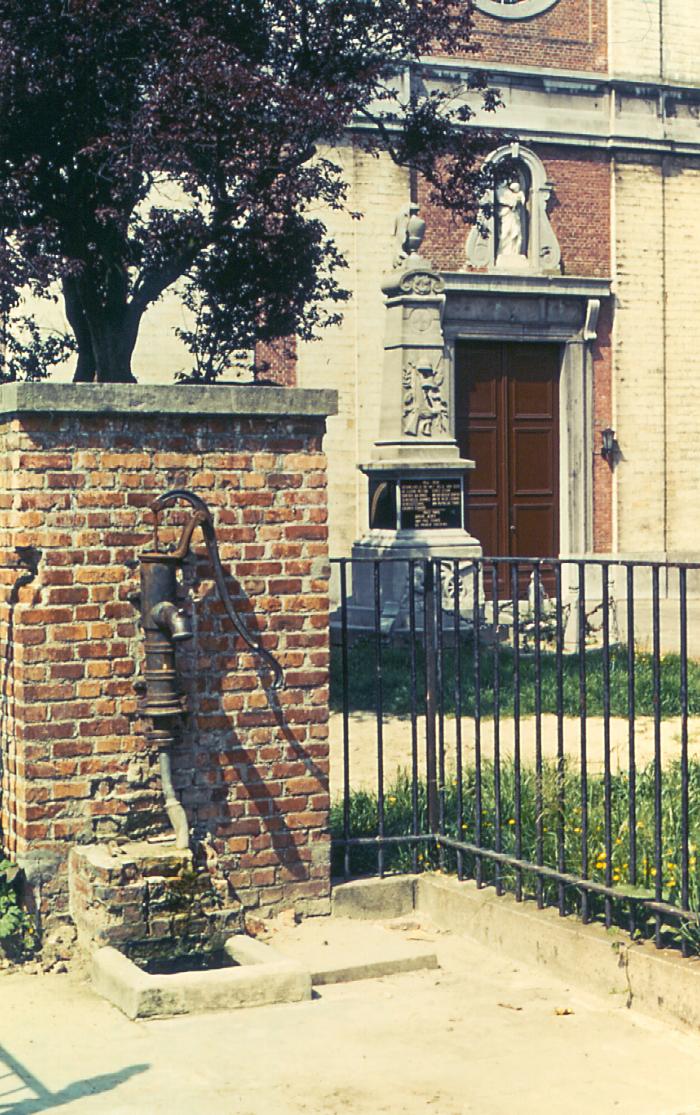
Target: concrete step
pixel 339 950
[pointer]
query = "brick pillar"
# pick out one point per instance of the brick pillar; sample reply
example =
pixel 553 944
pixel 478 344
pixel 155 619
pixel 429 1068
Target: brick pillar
pixel 81 465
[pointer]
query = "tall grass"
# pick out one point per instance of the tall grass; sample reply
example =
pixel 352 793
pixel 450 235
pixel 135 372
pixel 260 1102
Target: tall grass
pixel 396 680
pixel 561 812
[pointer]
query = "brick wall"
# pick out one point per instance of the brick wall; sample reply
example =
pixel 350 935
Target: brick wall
pixel 276 361
pixel 572 35
pixel 251 775
pixel 579 212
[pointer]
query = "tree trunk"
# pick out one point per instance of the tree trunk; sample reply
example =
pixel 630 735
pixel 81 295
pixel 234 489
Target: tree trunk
pixel 105 336
pixel 85 367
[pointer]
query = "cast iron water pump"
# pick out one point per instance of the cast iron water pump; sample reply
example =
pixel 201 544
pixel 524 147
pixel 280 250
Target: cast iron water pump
pixel 165 624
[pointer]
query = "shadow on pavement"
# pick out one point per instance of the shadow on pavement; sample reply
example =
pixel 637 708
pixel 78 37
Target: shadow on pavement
pixel 21 1093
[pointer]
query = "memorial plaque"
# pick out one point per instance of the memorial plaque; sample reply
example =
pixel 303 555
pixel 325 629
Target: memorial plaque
pixel 431 503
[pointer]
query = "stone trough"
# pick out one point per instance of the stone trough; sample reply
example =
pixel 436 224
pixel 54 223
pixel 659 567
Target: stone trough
pixel 318 951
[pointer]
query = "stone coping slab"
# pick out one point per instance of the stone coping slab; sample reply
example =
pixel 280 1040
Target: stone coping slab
pixel 220 400
pixel 334 951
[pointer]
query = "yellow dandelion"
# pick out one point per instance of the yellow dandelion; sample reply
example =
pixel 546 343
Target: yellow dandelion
pixel 511 821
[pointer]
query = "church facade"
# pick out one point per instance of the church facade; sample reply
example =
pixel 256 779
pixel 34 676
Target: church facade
pixel 571 319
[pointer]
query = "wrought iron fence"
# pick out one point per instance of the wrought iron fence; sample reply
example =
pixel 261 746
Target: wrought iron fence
pixel 528 723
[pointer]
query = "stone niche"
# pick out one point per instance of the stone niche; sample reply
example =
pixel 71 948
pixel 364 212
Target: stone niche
pixel 81 466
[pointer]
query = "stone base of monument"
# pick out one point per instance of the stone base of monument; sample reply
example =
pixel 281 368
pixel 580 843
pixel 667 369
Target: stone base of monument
pixel 385 562
pixel 416 516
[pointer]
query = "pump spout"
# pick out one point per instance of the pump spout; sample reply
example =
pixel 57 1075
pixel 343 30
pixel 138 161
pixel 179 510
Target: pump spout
pixel 172 621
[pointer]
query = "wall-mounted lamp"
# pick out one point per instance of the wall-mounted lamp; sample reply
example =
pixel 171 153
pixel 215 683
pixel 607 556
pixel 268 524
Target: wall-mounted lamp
pixel 609 446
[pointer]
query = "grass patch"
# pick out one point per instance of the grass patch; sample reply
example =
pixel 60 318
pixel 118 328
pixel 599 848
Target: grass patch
pixel 557 801
pixel 396 680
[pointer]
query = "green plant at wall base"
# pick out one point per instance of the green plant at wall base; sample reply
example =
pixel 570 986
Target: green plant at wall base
pixel 17 933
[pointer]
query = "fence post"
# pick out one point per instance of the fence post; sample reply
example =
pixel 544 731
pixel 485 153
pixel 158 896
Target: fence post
pixel 430 626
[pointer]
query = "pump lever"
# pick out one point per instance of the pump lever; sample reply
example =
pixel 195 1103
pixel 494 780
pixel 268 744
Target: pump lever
pixel 202 517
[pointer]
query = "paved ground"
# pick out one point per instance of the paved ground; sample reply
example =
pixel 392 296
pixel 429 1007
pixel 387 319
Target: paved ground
pixel 481 1035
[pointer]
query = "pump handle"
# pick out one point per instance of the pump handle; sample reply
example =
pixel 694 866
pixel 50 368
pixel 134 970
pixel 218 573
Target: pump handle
pixel 202 517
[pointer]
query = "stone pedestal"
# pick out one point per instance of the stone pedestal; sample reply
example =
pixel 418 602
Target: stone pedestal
pixel 153 898
pixel 415 474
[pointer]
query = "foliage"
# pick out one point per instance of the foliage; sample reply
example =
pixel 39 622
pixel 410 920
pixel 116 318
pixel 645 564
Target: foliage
pixel 148 143
pixel 27 352
pixel 396 680
pixel 17 936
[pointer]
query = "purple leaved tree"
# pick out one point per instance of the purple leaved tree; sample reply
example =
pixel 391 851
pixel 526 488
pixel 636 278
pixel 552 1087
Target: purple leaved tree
pixel 146 143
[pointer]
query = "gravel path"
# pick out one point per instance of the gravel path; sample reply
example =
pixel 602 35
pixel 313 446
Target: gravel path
pixel 397 740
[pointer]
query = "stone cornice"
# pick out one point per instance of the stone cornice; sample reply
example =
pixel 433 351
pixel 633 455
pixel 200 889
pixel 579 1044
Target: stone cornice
pixel 563 286
pixel 220 400
pixel 625 113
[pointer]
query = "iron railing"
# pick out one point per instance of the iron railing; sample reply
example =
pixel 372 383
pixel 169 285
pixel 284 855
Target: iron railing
pixel 527 723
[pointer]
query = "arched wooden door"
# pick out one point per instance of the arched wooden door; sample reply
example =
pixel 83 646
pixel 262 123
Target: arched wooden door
pixel 507 420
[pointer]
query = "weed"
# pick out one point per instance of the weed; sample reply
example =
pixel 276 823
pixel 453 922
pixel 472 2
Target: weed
pixel 17 932
pixel 551 808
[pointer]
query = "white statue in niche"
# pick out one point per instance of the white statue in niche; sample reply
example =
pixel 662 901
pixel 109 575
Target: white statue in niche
pixel 514 233
pixel 512 222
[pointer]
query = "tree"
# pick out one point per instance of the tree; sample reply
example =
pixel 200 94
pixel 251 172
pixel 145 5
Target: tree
pixel 145 143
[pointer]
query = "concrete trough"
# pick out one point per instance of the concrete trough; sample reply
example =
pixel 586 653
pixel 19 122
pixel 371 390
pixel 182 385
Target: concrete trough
pixel 260 976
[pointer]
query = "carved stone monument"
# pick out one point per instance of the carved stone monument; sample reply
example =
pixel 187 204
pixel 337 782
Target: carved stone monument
pixel 415 472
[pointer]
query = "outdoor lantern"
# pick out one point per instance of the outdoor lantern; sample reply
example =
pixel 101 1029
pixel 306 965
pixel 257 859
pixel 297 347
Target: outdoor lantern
pixel 609 445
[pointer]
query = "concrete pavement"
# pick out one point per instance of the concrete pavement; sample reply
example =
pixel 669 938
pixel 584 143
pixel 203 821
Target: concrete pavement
pixel 481 1034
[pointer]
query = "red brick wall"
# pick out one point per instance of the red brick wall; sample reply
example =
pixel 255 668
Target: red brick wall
pixel 276 361
pixel 579 212
pixel 570 36
pixel 75 764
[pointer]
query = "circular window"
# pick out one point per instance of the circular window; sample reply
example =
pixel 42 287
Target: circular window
pixel 514 9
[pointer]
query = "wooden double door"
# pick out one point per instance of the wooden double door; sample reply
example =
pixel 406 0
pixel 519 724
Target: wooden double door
pixel 507 421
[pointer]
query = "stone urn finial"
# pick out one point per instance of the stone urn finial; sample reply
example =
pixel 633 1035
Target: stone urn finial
pixel 409 230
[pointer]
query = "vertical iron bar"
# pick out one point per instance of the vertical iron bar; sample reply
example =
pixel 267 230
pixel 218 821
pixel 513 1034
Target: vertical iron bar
pixel 458 716
pixel 414 705
pixel 539 824
pixel 430 695
pixel 685 851
pixel 376 569
pixel 478 795
pixel 656 677
pixel 346 713
pixel 607 779
pixel 518 818
pixel 440 663
pixel 497 813
pixel 561 763
pixel 582 708
pixel 631 713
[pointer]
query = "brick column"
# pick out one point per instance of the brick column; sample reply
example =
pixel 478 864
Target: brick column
pixel 80 466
